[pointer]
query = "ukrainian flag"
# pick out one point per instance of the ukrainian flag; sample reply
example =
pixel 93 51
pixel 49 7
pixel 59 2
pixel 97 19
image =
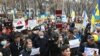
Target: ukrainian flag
pixel 97 13
pixel 93 20
pixel 92 23
pixel 96 17
pixel 97 10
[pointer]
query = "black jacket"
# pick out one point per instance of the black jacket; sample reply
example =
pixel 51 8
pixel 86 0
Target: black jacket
pixel 15 49
pixel 5 51
pixel 53 49
pixel 35 40
pixel 42 43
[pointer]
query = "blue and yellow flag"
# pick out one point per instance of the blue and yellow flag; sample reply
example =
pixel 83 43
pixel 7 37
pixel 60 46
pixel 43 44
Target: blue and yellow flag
pixel 97 8
pixel 92 23
pixel 97 13
pixel 93 17
pixel 93 20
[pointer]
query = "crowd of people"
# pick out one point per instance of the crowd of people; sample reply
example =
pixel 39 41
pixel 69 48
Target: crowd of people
pixel 51 42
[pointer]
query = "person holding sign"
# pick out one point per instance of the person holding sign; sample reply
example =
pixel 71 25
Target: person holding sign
pixel 87 47
pixel 17 45
pixel 71 40
pixel 29 50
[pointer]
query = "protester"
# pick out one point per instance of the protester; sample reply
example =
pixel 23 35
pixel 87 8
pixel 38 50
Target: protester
pixel 54 49
pixel 29 50
pixel 65 51
pixel 72 37
pixel 43 43
pixel 64 32
pixel 86 32
pixel 90 44
pixel 36 40
pixel 65 36
pixel 35 36
pixel 16 46
pixel 30 33
pixel 4 32
pixel 60 41
pixel 4 47
pixel 72 26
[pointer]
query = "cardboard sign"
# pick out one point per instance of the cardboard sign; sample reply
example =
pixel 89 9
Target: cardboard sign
pixel 74 43
pixel 91 51
pixel 19 24
pixel 64 18
pixel 32 23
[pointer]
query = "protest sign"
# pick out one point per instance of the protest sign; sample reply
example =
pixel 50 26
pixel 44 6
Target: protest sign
pixel 35 51
pixel 91 51
pixel 74 43
pixel 19 24
pixel 32 23
pixel 64 18
pixel 42 28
